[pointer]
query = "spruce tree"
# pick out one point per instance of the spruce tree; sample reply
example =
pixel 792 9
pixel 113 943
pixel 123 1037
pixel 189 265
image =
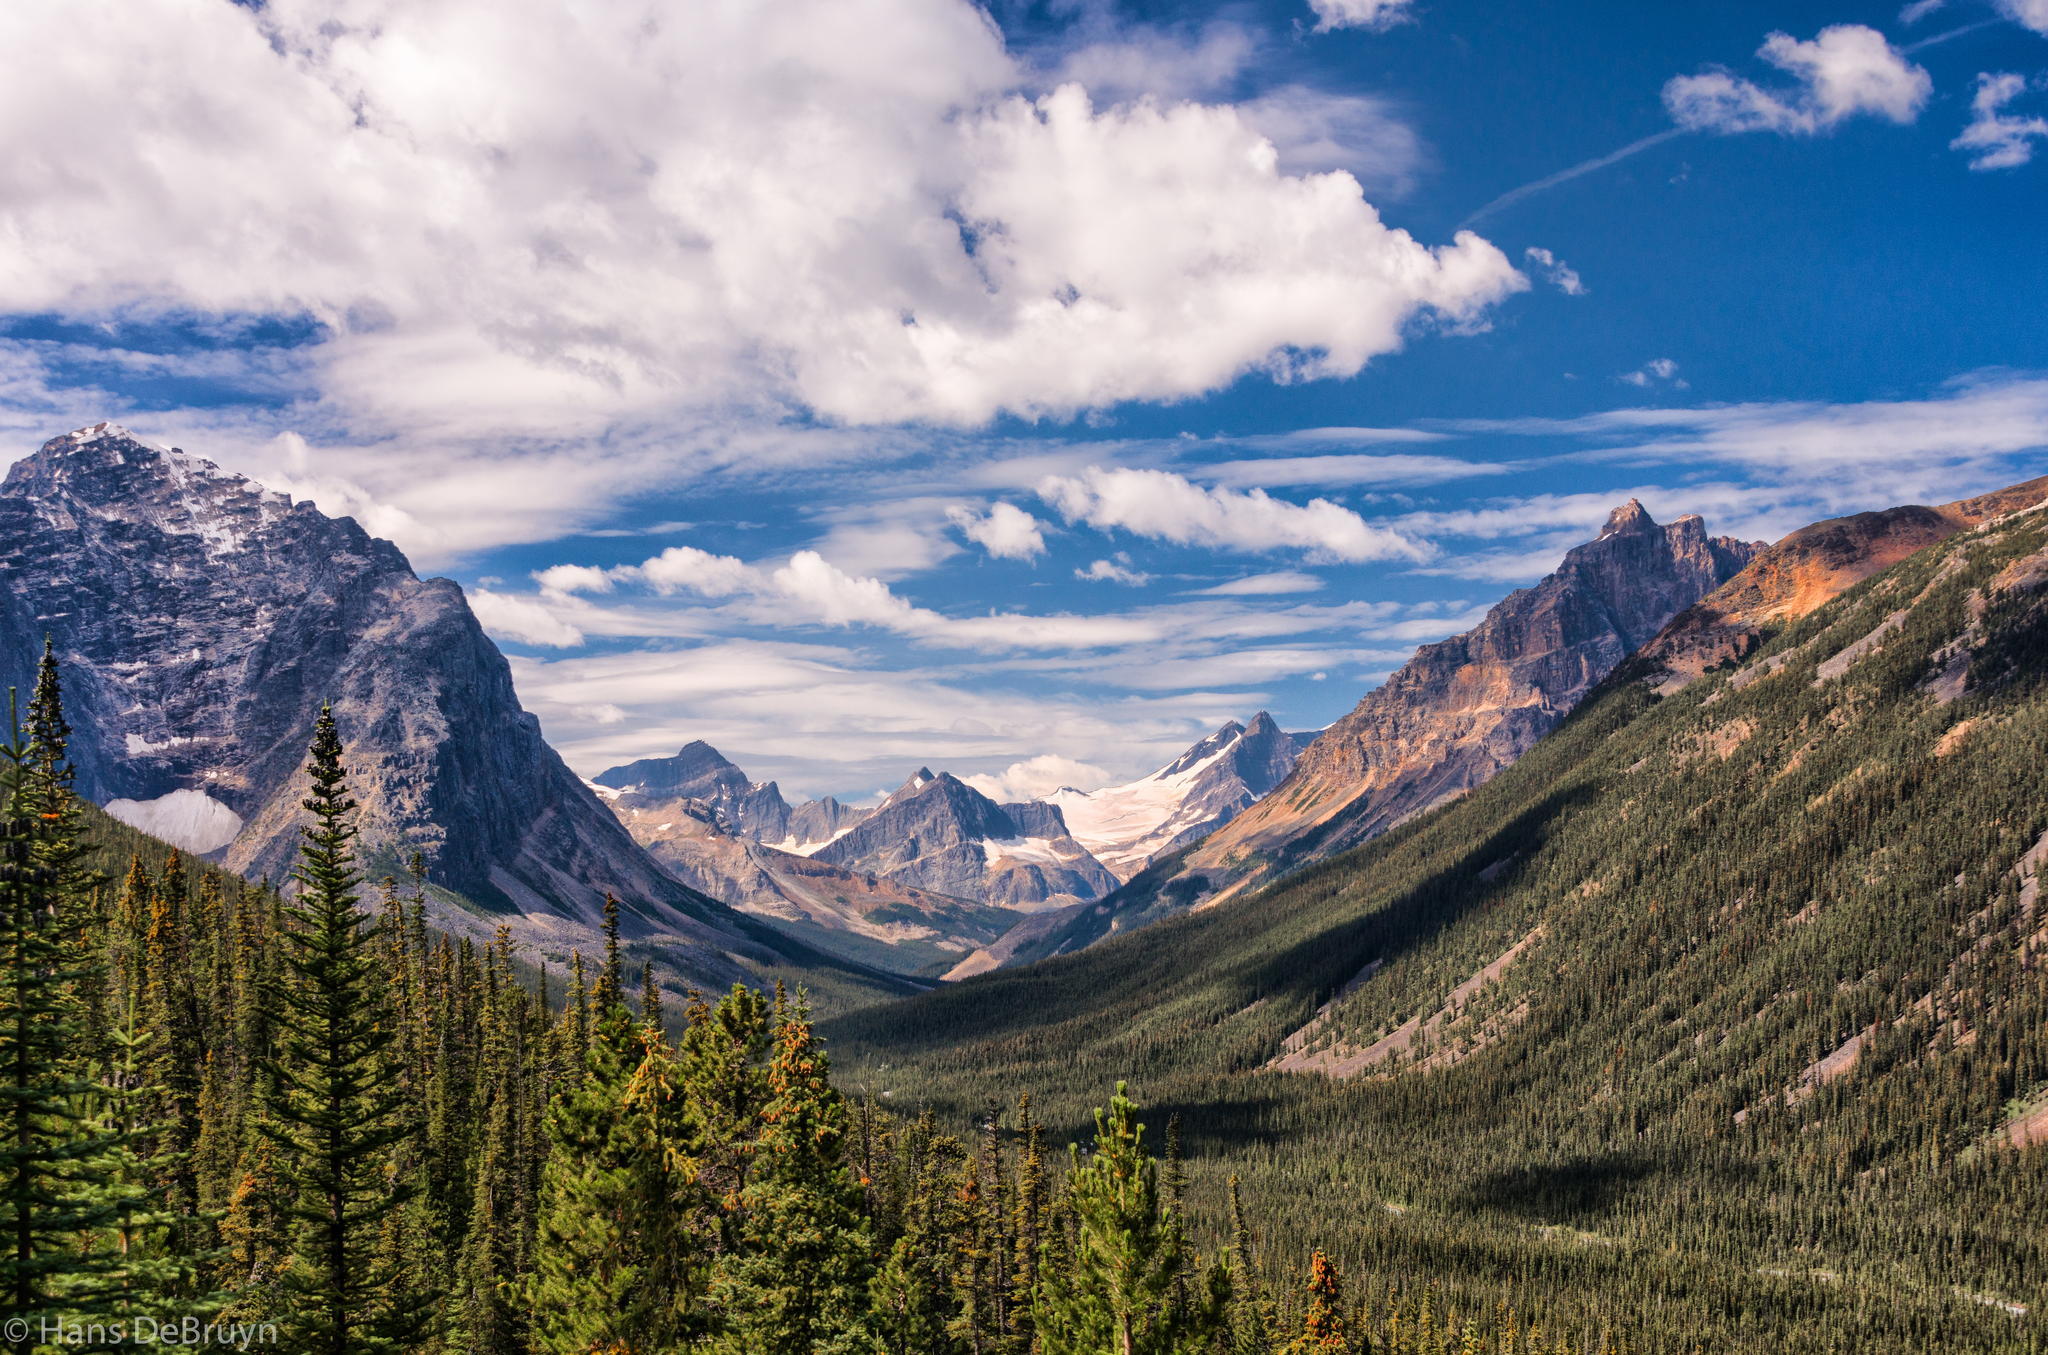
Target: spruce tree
pixel 615 1269
pixel 1323 1330
pixel 799 1279
pixel 335 1108
pixel 67 1183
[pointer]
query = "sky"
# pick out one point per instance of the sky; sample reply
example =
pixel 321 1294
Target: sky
pixel 1023 391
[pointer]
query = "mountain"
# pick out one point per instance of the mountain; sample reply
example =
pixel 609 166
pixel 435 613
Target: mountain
pixel 940 834
pixel 701 774
pixel 1448 720
pixel 1192 796
pixel 1723 1007
pixel 202 620
pixel 700 818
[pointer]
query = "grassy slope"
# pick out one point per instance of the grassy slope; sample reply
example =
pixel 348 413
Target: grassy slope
pixel 1582 1150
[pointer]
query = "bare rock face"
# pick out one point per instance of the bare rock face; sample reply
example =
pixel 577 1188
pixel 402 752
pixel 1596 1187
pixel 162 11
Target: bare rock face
pixel 1446 721
pixel 202 620
pixel 1806 569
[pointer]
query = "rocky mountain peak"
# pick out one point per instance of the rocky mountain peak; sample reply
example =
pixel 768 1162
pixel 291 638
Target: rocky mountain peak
pixel 1630 517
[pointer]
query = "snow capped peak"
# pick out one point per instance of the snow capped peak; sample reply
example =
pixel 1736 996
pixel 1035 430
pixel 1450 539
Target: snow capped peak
pixel 94 432
pixel 1125 826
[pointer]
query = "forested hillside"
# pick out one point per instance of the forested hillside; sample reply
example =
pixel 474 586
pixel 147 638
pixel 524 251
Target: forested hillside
pixel 1726 1010
pixel 300 1120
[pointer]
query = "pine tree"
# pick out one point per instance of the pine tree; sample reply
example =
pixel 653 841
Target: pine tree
pixel 335 1109
pixel 650 997
pixel 1114 1293
pixel 611 982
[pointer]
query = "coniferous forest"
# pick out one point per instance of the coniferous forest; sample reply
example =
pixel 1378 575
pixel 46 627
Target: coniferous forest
pixel 299 1119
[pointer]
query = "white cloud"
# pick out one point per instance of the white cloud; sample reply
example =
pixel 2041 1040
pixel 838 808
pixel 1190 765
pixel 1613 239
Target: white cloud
pixel 1918 10
pixel 2031 13
pixel 688 569
pixel 1264 585
pixel 1848 69
pixel 563 580
pixel 1118 570
pixel 522 619
pixel 1993 139
pixel 1169 507
pixel 1373 14
pixel 1007 532
pixel 1655 372
pixel 1556 271
pixel 518 217
pixel 1037 777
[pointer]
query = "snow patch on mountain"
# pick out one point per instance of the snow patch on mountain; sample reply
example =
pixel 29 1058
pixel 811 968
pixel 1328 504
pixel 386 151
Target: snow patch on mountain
pixel 187 819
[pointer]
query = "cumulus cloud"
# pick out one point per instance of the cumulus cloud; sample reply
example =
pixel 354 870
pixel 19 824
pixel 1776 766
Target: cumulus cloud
pixel 1848 69
pixel 1655 372
pixel 1556 271
pixel 1170 507
pixel 1037 777
pixel 1994 139
pixel 1118 570
pixel 1007 532
pixel 520 216
pixel 2032 13
pixel 1373 14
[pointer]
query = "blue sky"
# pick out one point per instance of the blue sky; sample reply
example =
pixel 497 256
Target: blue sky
pixel 1023 392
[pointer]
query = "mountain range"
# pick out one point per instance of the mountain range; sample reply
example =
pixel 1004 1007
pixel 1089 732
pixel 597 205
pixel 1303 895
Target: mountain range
pixel 1448 720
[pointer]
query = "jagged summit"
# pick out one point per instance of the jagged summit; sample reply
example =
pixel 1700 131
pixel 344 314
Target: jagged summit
pixel 93 433
pixel 1447 720
pixel 1630 517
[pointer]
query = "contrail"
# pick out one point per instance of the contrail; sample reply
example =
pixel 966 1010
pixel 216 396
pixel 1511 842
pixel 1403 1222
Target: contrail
pixel 1515 195
pixel 1925 43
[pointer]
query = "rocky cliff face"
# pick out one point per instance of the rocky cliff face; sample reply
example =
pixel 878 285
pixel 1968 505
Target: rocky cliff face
pixel 1806 569
pixel 1186 800
pixel 202 620
pixel 1446 721
pixel 940 834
